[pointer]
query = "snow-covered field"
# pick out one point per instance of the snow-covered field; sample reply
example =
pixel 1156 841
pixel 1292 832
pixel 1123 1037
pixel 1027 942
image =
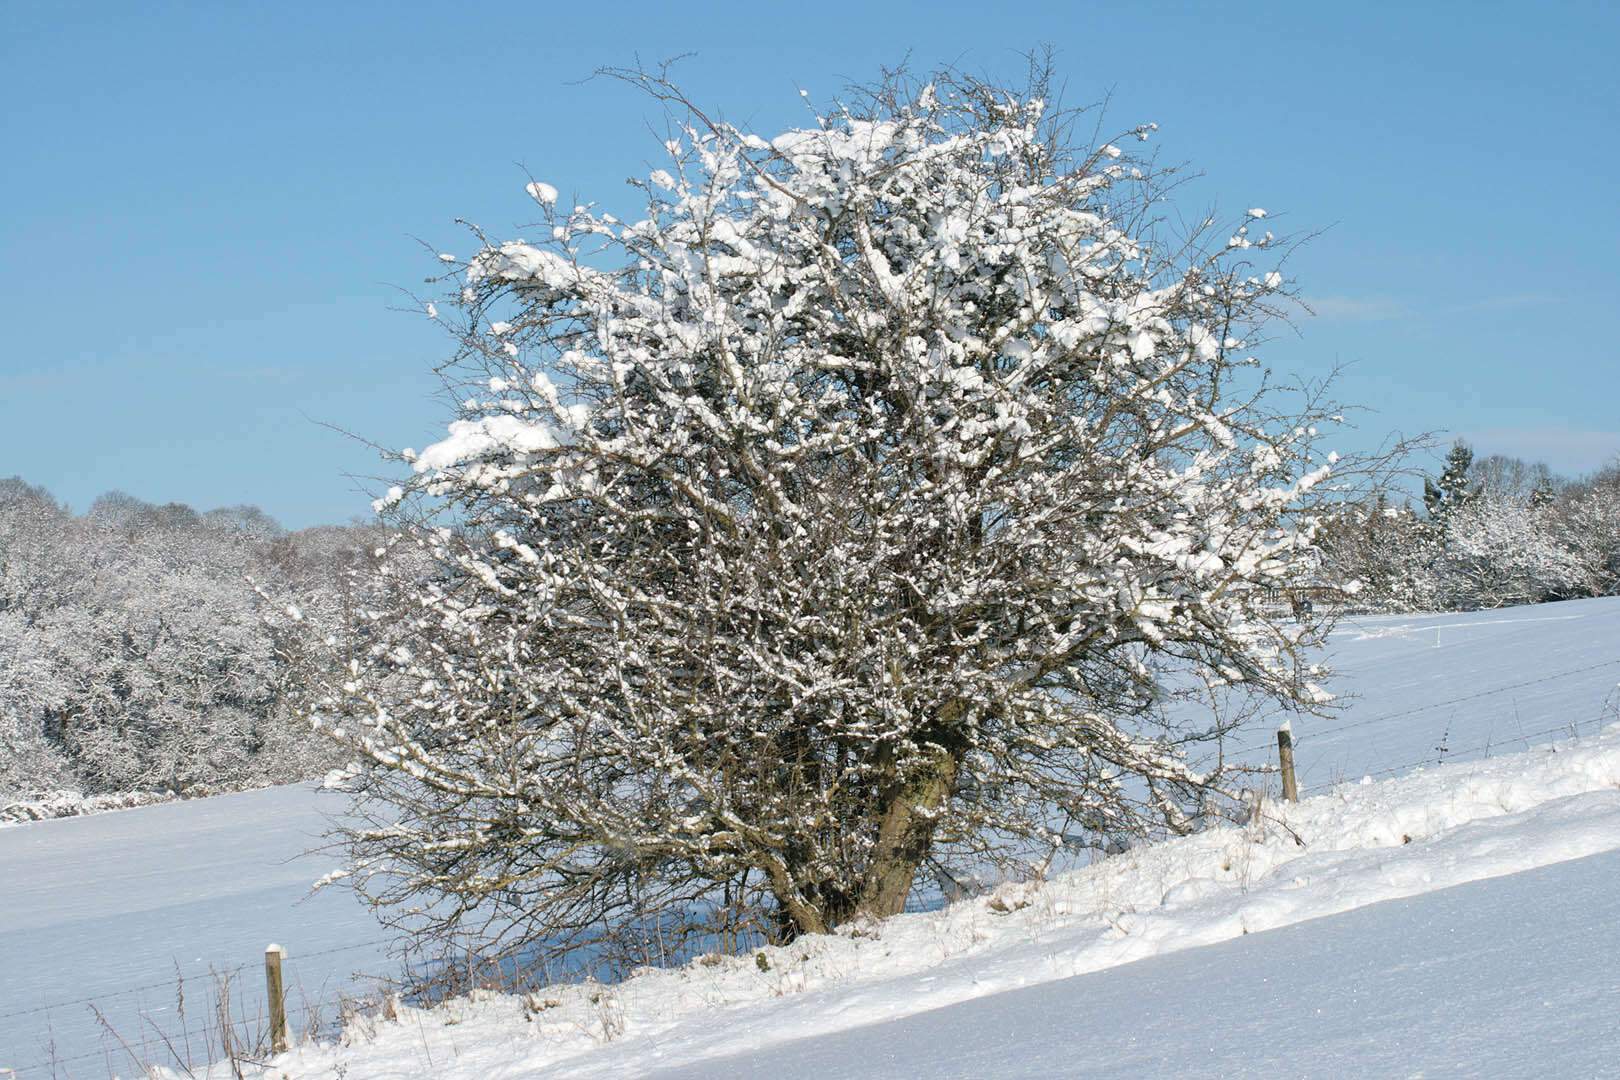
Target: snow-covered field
pixel 1424 689
pixel 1407 968
pixel 119 907
pixel 1334 853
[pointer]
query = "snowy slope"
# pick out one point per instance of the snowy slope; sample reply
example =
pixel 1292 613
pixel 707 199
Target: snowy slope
pixel 1362 845
pixel 98 905
pixel 1510 977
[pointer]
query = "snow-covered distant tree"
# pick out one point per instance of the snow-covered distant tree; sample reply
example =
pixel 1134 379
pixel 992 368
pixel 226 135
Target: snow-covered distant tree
pixel 859 508
pixel 1382 553
pixel 1499 531
pixel 1590 525
pixel 34 534
pixel 249 520
pixel 1504 536
pixel 33 572
pixel 1453 488
pixel 132 652
pixel 1503 549
pixel 1511 477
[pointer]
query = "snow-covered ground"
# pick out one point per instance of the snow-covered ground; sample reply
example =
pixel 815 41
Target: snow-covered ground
pixel 119 907
pixel 1361 845
pixel 1509 977
pixel 97 905
pixel 1420 689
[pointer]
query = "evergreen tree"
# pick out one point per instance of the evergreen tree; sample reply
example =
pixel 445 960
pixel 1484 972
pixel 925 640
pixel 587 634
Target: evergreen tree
pixel 1453 489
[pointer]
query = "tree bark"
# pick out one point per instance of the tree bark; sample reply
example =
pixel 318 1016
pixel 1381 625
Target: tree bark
pixel 906 834
pixel 911 817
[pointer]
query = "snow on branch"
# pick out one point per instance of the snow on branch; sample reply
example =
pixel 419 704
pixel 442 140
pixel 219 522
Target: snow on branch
pixel 863 505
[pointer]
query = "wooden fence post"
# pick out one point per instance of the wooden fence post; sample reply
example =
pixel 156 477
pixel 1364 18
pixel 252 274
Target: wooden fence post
pixel 273 956
pixel 1285 757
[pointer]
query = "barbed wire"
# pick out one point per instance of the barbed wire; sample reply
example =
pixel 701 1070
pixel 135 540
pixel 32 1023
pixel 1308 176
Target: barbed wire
pixel 53 1062
pixel 344 948
pixel 168 983
pixel 172 981
pixel 247 1025
pixel 309 1008
pixel 125 1050
pixel 1432 705
pixel 1440 758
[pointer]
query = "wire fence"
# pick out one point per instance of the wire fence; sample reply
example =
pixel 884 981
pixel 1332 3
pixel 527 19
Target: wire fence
pixel 1431 706
pixel 1567 727
pixel 170 983
pixel 251 1028
pixel 244 1027
pixel 157 1041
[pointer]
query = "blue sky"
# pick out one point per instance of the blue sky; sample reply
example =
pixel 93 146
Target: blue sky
pixel 212 208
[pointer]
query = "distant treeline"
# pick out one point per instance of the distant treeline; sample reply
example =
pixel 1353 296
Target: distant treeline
pixel 1490 532
pixel 133 654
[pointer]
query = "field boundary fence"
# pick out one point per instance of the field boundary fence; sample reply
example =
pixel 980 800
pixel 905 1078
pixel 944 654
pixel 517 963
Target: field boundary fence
pixel 1302 739
pixel 251 1033
pixel 197 1039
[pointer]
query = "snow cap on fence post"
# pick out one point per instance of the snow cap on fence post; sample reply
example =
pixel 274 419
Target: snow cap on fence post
pixel 1285 758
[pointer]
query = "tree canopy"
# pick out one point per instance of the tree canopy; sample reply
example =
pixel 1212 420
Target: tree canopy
pixel 132 651
pixel 896 494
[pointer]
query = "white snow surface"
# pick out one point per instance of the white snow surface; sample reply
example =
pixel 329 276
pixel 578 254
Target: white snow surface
pixel 1421 689
pixel 1361 845
pixel 471 438
pixel 1455 982
pixel 1176 953
pixel 115 907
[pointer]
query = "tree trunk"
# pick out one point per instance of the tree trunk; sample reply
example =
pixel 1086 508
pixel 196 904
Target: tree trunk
pixel 915 803
pixel 907 833
pixel 906 811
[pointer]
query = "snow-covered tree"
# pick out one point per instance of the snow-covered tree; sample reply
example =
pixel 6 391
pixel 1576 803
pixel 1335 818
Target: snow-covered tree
pixel 860 507
pixel 1382 554
pixel 1503 549
pixel 1589 523
pixel 1454 487
pixel 33 571
pixel 1512 477
pixel 1499 531
pixel 132 652
pixel 34 532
